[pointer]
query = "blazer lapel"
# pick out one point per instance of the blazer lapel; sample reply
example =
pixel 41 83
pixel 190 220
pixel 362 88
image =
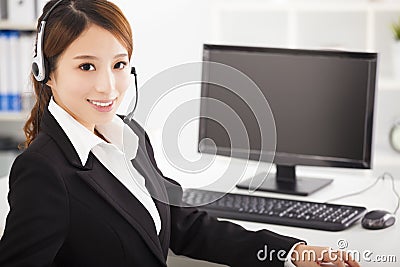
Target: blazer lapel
pixel 154 183
pixel 105 184
pixel 50 126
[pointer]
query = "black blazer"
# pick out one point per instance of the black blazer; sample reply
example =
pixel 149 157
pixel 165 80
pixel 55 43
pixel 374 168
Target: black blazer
pixel 66 214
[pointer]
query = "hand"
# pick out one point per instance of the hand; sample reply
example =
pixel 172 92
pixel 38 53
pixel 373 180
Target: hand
pixel 313 256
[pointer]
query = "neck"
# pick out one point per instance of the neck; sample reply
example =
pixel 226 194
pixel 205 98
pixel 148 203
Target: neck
pixel 100 135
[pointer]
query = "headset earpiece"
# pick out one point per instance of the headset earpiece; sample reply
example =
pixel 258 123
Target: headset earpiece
pixel 39 68
pixel 38 63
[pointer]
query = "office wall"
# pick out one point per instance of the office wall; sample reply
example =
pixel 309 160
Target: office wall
pixel 167 33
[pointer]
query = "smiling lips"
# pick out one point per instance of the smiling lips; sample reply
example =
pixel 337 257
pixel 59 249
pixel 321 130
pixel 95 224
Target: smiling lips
pixel 102 105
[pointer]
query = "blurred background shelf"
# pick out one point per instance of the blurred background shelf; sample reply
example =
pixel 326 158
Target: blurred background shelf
pixel 5 25
pixel 13 116
pixel 17 75
pixel 346 25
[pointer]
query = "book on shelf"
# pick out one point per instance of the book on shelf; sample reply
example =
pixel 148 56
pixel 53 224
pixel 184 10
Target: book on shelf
pixel 15 63
pixel 3 9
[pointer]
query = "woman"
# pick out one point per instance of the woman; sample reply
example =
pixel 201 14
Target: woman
pixel 72 202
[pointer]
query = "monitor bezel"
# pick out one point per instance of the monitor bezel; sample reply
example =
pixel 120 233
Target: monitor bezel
pixel 291 159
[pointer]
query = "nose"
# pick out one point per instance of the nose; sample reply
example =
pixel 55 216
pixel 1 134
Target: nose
pixel 105 81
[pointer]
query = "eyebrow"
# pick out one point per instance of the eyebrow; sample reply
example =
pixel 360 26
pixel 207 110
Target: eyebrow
pixel 94 57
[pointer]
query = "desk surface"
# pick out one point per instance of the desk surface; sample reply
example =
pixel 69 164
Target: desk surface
pixel 373 248
pixel 370 246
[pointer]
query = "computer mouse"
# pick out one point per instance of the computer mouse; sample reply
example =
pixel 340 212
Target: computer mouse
pixel 378 219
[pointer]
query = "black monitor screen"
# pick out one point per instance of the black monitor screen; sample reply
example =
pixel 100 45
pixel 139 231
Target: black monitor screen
pixel 321 101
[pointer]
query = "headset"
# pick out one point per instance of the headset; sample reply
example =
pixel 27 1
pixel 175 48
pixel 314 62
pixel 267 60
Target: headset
pixel 39 63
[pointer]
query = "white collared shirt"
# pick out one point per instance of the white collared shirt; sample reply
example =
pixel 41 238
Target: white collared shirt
pixel 111 155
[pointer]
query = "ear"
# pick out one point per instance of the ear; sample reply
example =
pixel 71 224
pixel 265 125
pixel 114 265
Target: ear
pixel 50 81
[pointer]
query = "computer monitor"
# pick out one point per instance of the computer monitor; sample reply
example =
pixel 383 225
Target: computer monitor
pixel 322 102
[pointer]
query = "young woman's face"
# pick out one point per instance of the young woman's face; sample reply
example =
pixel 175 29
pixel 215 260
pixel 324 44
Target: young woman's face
pixel 91 77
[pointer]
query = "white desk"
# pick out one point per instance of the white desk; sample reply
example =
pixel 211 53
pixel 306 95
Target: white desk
pixel 369 245
pixel 375 243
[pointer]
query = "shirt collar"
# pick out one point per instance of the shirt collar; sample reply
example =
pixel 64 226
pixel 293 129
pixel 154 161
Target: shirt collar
pixel 83 140
pixel 120 135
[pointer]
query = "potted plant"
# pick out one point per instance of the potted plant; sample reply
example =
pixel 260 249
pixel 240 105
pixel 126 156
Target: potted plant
pixel 396 49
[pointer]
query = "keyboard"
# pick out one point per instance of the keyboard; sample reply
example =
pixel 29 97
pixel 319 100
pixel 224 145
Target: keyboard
pixel 305 214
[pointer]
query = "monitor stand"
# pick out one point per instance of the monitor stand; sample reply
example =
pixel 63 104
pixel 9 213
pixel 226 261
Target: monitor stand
pixel 285 181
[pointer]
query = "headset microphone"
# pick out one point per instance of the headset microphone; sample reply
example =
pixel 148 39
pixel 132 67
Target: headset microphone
pixel 130 115
pixel 133 71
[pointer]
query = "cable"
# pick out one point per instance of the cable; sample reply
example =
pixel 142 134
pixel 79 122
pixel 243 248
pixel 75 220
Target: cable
pixel 369 187
pixel 396 193
pixel 356 193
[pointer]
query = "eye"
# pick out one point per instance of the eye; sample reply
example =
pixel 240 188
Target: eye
pixel 120 65
pixel 87 67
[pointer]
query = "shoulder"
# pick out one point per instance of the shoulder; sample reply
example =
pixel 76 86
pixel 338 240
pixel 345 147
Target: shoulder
pixel 37 162
pixel 43 144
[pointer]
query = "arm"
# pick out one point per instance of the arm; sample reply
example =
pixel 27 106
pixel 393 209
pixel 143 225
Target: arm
pixel 38 219
pixel 314 256
pixel 197 235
